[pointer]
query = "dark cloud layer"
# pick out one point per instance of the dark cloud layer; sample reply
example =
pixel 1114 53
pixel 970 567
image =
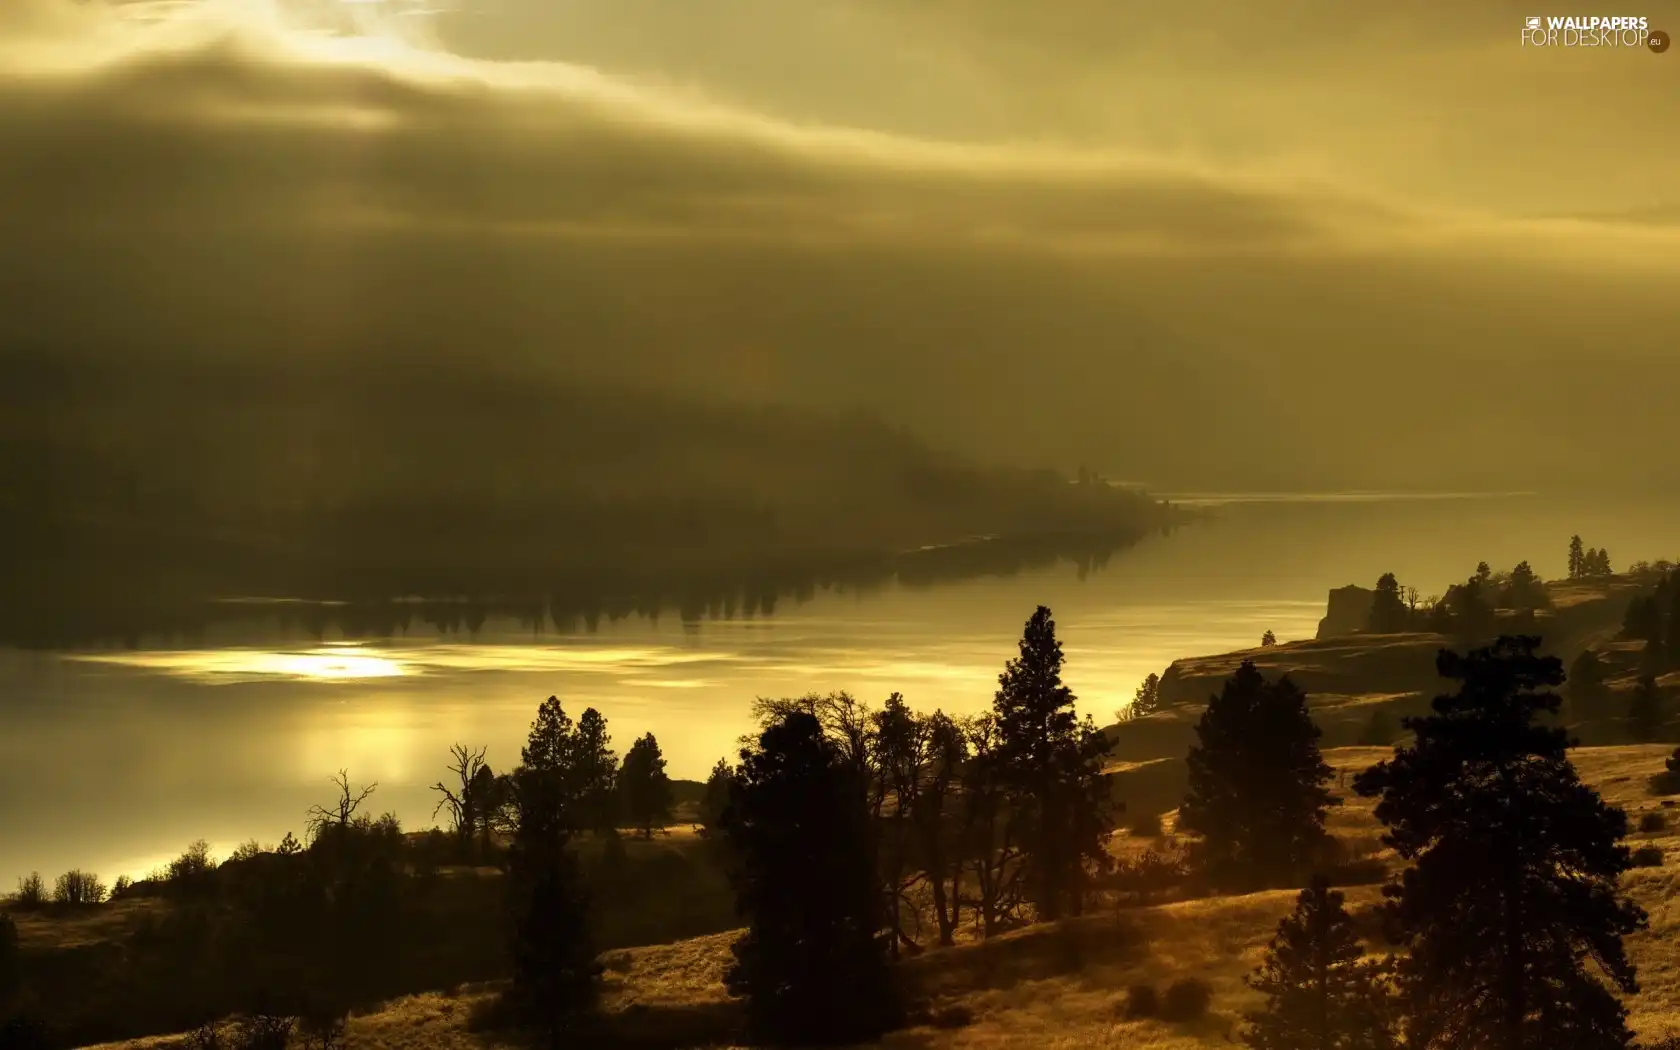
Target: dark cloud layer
pixel 1176 315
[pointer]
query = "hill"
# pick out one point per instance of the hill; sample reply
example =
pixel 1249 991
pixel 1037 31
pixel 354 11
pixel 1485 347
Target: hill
pixel 1065 986
pixel 136 492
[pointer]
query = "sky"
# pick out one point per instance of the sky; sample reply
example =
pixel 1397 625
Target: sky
pixel 1299 244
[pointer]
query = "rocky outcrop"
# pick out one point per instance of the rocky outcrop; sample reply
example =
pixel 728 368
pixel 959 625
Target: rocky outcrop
pixel 1349 610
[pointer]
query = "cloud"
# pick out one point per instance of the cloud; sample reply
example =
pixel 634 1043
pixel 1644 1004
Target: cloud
pixel 215 178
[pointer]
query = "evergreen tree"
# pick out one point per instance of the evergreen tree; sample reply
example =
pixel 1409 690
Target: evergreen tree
pixel 1577 558
pixel 1585 687
pixel 1645 713
pixel 1388 611
pixel 1484 574
pixel 1515 862
pixel 555 976
pixel 645 790
pixel 1379 731
pixel 1147 700
pixel 812 964
pixel 1256 792
pixel 1320 992
pixel 1525 591
pixel 1050 764
pixel 594 775
pixel 1268 640
pixel 1643 620
pixel 715 798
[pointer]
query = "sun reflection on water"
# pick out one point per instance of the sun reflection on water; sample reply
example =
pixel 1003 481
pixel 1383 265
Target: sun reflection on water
pixel 325 664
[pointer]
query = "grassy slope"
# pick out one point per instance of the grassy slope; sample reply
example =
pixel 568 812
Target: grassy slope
pixel 1025 989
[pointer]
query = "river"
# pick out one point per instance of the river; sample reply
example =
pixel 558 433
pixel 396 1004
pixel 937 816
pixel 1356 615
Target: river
pixel 113 762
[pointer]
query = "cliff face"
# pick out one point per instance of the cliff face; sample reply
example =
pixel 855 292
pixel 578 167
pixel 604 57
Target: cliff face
pixel 1349 611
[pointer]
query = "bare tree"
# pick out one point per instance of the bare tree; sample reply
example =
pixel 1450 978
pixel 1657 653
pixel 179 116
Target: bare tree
pixel 323 820
pixel 463 807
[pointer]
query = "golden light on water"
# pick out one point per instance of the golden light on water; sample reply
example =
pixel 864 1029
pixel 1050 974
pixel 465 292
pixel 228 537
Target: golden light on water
pixel 326 663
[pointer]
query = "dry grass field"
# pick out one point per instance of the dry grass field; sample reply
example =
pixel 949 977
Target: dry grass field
pixel 1065 987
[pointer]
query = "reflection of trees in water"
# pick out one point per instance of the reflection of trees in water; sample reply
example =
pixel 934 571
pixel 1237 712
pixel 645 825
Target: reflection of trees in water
pixel 115 619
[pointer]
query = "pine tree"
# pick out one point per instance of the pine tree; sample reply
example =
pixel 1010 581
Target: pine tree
pixel 645 790
pixel 1585 686
pixel 1577 558
pixel 812 964
pixel 1483 572
pixel 1051 768
pixel 594 775
pixel 1645 711
pixel 555 976
pixel 1388 611
pixel 1320 992
pixel 714 799
pixel 1515 862
pixel 1268 640
pixel 1256 792
pixel 1147 700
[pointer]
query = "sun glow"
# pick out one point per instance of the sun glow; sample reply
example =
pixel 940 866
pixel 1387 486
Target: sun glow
pixel 325 664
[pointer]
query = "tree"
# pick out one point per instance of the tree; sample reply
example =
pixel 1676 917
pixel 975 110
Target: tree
pixel 644 787
pixel 1147 700
pixel 1320 992
pixel 1515 862
pixel 1379 731
pixel 1256 791
pixel 1643 620
pixel 1268 640
pixel 714 799
pixel 556 980
pixel 936 818
pixel 812 964
pixel 491 795
pixel 1585 688
pixel 1051 768
pixel 1645 713
pixel 1388 612
pixel 463 806
pixel 900 762
pixel 594 773
pixel 1484 574
pixel 1577 558
pixel 1524 591
pixel 1472 608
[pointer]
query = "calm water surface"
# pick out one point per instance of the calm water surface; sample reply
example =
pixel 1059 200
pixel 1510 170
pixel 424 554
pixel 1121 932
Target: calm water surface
pixel 114 761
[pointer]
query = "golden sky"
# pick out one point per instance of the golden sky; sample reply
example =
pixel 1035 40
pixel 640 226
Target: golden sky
pixel 1278 237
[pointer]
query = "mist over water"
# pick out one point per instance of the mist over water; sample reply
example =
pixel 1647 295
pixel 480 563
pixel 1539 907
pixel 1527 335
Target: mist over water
pixel 116 760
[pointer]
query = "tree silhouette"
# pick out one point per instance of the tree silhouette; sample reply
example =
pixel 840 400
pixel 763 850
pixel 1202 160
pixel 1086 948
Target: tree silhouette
pixel 594 773
pixel 1320 992
pixel 1515 862
pixel 1524 591
pixel 1577 558
pixel 462 802
pixel 937 820
pixel 812 964
pixel 1147 700
pixel 1268 639
pixel 1483 573
pixel 1585 687
pixel 1388 611
pixel 644 787
pixel 1256 791
pixel 555 976
pixel 1379 730
pixel 1645 711
pixel 1051 768
pixel 714 799
pixel 900 764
